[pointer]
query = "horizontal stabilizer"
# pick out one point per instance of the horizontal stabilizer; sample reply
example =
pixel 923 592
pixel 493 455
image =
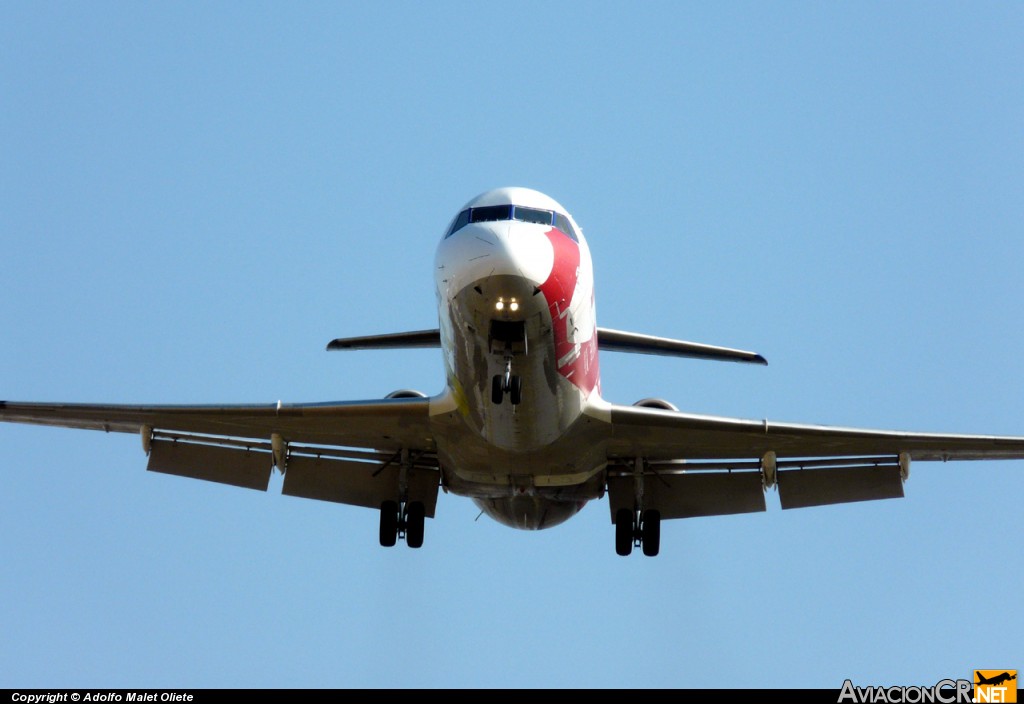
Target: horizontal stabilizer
pixel 619 341
pixel 394 340
pixel 607 340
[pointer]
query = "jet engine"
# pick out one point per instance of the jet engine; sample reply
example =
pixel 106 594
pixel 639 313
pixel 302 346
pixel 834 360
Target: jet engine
pixel 656 403
pixel 406 393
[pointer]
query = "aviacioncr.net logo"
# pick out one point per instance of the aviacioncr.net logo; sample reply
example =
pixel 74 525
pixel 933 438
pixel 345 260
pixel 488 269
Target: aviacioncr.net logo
pixel 943 692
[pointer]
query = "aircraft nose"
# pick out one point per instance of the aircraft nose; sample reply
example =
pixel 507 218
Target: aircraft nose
pixel 480 251
pixel 524 250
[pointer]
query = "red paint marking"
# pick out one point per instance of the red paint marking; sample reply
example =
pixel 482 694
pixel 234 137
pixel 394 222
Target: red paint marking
pixel 580 367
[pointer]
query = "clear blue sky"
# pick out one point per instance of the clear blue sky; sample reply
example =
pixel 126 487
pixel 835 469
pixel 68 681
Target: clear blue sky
pixel 195 198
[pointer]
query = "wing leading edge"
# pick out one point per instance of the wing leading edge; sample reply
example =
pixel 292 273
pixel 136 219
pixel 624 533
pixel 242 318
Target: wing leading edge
pixel 696 465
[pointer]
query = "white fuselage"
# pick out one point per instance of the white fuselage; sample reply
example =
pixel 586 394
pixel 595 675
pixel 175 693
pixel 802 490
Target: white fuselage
pixel 516 299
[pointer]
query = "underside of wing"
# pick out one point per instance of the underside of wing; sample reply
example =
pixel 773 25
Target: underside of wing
pixel 694 465
pixel 669 435
pixel 359 452
pixel 381 424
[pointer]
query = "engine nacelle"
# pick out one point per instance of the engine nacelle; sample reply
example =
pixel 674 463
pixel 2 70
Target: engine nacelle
pixel 656 403
pixel 406 393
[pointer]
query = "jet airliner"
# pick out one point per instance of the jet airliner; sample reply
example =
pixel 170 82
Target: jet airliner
pixel 996 680
pixel 520 426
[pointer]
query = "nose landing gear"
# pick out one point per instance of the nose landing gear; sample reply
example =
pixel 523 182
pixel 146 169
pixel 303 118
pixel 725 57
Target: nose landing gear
pixel 507 383
pixel 508 337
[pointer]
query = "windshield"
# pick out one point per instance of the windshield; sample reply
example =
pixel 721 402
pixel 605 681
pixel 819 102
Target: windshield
pixel 495 213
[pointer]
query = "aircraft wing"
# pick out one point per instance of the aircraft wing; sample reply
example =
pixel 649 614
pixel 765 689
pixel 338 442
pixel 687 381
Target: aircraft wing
pixel 698 465
pixel 379 424
pixel 346 452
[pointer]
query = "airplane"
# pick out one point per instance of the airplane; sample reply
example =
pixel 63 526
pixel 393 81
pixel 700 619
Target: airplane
pixel 521 427
pixel 996 680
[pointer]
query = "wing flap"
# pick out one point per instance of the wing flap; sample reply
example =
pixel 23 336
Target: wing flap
pixel 249 469
pixel 691 495
pixel 801 488
pixel 357 483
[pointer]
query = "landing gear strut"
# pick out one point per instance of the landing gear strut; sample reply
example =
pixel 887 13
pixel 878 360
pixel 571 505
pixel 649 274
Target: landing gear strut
pixel 407 522
pixel 637 529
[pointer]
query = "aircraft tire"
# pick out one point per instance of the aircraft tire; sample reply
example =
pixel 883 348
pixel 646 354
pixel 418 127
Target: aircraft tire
pixel 650 532
pixel 515 394
pixel 497 393
pixel 414 520
pixel 624 532
pixel 388 524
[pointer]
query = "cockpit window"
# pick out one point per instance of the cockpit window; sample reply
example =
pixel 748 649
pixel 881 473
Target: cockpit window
pixel 541 217
pixel 495 213
pixel 563 224
pixel 490 213
pixel 460 222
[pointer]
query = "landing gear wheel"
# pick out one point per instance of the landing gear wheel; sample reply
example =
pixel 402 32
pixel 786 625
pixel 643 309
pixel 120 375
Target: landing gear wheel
pixel 497 392
pixel 414 519
pixel 388 523
pixel 623 531
pixel 515 392
pixel 650 532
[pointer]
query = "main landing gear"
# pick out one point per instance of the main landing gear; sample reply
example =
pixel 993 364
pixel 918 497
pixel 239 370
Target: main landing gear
pixel 637 529
pixel 402 522
pixel 507 383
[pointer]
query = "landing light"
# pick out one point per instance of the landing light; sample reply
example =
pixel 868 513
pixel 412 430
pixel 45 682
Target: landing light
pixel 513 304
